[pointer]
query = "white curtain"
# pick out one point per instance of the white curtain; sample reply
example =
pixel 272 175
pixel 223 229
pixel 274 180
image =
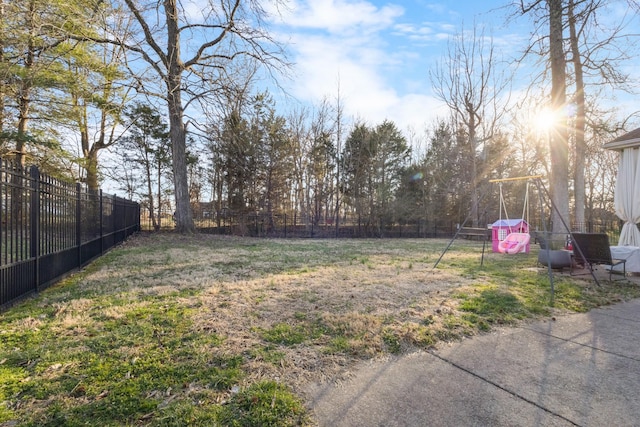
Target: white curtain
pixel 627 196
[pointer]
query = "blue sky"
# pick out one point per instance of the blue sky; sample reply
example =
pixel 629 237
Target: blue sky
pixel 378 53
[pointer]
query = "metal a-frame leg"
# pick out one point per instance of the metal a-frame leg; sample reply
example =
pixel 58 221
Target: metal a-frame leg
pixel 540 185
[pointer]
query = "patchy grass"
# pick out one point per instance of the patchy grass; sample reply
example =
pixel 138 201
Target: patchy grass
pixel 204 330
pixel 265 403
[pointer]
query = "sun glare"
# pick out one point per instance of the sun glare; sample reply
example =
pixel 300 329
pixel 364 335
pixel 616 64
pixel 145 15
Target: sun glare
pixel 545 120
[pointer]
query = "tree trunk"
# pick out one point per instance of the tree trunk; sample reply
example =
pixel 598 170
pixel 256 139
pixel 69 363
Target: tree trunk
pixel 24 102
pixel 184 217
pixel 579 124
pixel 20 153
pixel 338 159
pixel 23 119
pixel 159 199
pixel 90 153
pixel 558 138
pixel 24 105
pixel 177 131
pixel 147 172
pixel 2 86
pixel 474 167
pixel 92 170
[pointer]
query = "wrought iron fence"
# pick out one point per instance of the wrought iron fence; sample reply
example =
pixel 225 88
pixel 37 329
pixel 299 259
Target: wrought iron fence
pixel 49 227
pixel 610 227
pixel 257 224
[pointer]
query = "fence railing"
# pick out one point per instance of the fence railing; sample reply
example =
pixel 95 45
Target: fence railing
pixel 289 225
pixel 49 227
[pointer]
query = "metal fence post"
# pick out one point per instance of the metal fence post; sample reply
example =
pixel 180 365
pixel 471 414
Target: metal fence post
pixel 114 221
pixel 34 215
pixel 101 223
pixel 79 222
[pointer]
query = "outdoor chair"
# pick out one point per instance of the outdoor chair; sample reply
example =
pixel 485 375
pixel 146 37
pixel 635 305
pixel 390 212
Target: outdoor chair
pixel 593 249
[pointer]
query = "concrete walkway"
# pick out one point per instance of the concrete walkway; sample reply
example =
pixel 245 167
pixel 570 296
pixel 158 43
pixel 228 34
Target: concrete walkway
pixel 579 370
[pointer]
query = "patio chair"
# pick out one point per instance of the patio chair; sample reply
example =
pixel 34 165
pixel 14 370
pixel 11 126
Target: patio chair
pixel 594 249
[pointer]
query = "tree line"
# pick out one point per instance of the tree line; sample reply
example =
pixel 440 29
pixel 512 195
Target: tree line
pixel 175 99
pixel 256 162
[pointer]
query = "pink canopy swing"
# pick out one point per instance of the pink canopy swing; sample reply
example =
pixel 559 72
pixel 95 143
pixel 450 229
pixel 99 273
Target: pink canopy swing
pixel 516 241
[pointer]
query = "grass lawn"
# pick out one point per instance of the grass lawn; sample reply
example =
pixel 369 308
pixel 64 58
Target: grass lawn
pixel 167 330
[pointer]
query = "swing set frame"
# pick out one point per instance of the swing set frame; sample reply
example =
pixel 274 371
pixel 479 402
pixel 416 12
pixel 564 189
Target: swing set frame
pixel 462 227
pixel 542 193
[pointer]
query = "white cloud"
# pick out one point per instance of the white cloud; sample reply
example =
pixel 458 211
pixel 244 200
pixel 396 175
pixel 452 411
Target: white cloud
pixel 345 45
pixel 340 16
pixel 325 65
pixel 193 11
pixel 425 32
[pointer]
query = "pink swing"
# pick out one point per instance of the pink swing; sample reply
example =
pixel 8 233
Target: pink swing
pixel 514 243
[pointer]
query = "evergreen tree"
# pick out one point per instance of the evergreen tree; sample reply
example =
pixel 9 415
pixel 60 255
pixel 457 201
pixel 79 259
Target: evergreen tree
pixel 147 151
pixel 36 46
pixel 357 181
pixel 392 156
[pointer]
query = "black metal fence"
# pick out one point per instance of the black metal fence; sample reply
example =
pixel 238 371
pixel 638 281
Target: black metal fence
pixel 290 225
pixel 49 227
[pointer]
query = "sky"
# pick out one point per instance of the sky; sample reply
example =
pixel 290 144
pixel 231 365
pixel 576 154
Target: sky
pixel 377 54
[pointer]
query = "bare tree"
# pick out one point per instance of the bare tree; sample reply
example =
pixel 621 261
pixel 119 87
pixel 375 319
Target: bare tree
pixel 579 122
pixel 230 99
pixel 467 81
pixel 558 136
pixel 593 56
pixel 596 55
pixel 322 163
pixel 300 148
pixel 185 54
pixel 549 45
pixel 339 125
pixel 600 168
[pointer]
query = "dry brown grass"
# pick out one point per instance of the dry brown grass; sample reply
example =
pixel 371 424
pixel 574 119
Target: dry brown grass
pixel 354 299
pixel 173 326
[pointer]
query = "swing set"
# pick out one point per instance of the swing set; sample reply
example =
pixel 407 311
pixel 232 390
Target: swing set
pixel 512 236
pixel 509 237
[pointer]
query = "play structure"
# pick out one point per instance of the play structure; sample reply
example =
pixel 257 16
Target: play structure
pixel 511 236
pixel 508 236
